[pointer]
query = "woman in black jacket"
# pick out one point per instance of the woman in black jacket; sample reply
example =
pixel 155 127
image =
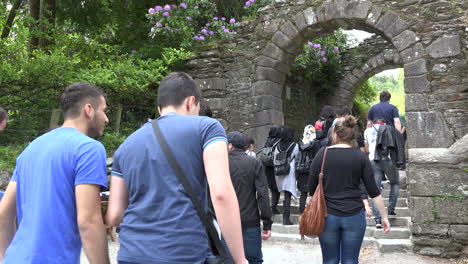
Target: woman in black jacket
pixel 345 167
pixel 272 140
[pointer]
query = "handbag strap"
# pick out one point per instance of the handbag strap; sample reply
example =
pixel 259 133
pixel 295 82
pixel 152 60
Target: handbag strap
pixel 323 164
pixel 188 189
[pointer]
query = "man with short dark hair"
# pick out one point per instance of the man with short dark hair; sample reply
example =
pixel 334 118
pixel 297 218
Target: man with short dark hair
pixel 249 180
pixel 55 188
pixel 386 110
pixel 3 119
pixel 158 221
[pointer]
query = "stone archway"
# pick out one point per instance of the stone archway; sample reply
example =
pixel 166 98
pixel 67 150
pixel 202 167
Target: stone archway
pixel 243 81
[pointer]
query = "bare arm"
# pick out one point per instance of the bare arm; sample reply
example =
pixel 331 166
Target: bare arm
pixel 90 223
pixel 7 218
pixel 223 196
pixel 118 201
pixel 366 147
pixel 398 124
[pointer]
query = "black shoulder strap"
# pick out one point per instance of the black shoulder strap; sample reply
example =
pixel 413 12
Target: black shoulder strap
pixel 188 189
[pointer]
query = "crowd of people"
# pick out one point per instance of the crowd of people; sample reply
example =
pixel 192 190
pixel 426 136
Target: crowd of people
pixel 54 192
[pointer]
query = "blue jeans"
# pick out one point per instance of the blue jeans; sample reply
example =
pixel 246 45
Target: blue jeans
pixel 342 238
pixel 253 244
pixel 388 168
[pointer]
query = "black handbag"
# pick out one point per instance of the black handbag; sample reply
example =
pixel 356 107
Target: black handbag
pixel 219 252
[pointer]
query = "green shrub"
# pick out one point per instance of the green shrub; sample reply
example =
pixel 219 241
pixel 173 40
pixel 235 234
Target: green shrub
pixel 8 155
pixel 112 141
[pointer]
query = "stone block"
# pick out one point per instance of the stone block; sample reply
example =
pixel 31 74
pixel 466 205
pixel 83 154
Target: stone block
pixel 270 74
pixel 300 22
pixel 460 147
pixel 446 46
pixel 396 28
pixel 386 20
pixel 404 40
pixel 439 68
pixel 389 54
pixel 412 53
pixel 444 248
pixel 272 63
pixel 291 31
pixel 434 181
pixel 428 130
pixel 416 68
pixel 359 74
pixel 310 16
pixel 452 210
pixel 374 15
pixel 211 84
pixel 216 103
pixel 421 210
pixel 417 84
pixel 459 233
pixel 433 230
pixel 273 51
pixel 267 88
pixel 416 102
pixel 268 117
pixel 259 134
pixel 353 9
pixel 264 102
pixel 350 79
pixel 282 41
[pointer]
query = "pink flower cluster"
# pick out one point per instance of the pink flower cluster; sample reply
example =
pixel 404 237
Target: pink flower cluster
pixel 249 2
pixel 322 53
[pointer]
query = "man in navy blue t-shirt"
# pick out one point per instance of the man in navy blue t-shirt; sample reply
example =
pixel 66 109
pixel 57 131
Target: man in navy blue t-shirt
pixel 384 110
pixel 54 190
pixel 158 221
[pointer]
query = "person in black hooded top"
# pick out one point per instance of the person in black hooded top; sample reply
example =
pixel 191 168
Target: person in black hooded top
pixel 273 139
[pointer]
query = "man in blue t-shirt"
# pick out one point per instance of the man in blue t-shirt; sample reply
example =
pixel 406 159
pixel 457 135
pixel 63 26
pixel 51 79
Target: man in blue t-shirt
pixel 384 110
pixel 158 222
pixel 55 188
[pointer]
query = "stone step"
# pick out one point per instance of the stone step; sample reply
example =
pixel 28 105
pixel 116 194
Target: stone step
pixel 395 221
pixel 400 211
pixel 384 245
pixel 395 232
pixel 401 193
pixel 401 201
pixel 394 245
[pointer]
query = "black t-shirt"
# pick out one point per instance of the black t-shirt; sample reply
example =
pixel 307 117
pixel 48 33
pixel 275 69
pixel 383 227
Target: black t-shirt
pixel 344 170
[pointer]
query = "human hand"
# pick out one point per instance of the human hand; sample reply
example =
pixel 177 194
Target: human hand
pixel 368 211
pixel 266 234
pixel 385 225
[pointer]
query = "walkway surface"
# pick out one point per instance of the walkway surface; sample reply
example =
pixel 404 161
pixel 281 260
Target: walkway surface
pixel 282 253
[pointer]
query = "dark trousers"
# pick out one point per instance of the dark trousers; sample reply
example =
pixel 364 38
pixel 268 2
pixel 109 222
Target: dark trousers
pixel 388 168
pixel 286 206
pixel 275 195
pixel 302 202
pixel 342 238
pixel 252 238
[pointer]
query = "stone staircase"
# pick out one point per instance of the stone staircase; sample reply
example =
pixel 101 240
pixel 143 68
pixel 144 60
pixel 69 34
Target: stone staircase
pixel 397 240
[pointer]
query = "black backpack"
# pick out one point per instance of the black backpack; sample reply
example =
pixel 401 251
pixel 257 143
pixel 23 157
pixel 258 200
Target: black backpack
pixel 303 162
pixel 266 155
pixel 282 161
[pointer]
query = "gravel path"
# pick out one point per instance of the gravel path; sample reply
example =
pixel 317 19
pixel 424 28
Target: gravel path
pixel 282 253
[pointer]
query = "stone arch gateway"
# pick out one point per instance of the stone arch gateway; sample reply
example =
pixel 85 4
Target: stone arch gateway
pixel 243 80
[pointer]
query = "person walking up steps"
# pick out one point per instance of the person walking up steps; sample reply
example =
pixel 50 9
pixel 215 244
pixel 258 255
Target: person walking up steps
pixel 344 168
pixel 55 188
pixel 158 221
pixel 266 156
pixel 248 178
pixel 284 158
pixel 308 148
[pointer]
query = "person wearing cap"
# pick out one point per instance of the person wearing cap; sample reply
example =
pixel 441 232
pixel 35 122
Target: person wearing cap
pixel 250 184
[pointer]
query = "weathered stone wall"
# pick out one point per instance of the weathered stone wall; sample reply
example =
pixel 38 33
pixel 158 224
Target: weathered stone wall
pixel 438 181
pixel 244 78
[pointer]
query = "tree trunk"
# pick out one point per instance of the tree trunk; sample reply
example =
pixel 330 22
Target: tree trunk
pixel 47 14
pixel 11 18
pixel 34 11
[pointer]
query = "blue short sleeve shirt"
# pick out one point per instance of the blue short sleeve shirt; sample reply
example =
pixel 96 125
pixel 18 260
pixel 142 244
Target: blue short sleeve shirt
pixel 46 174
pixel 160 224
pixel 384 110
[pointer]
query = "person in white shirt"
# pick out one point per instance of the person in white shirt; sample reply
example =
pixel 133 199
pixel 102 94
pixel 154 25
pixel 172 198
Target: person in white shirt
pixel 250 147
